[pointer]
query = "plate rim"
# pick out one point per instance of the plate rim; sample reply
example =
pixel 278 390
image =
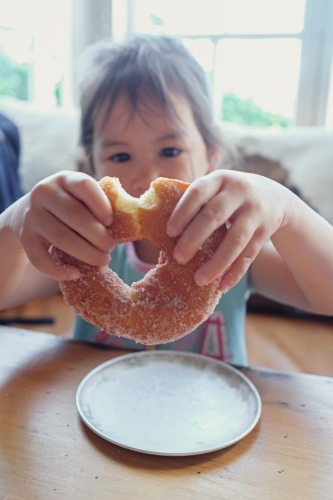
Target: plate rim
pixel 166 353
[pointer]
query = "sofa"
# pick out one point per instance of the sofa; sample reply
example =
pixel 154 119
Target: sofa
pixel 300 158
pixel 49 140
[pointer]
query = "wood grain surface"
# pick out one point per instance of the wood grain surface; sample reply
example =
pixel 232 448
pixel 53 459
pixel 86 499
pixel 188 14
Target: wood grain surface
pixel 46 452
pixel 282 343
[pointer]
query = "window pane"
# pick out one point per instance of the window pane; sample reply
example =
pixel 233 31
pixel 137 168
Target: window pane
pixel 188 17
pixel 34 47
pixel 203 50
pixel 15 63
pixel 261 74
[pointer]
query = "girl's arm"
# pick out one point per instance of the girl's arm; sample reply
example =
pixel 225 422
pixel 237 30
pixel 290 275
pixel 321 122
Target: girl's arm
pixel 296 267
pixel 20 281
pixel 69 210
pixel 298 270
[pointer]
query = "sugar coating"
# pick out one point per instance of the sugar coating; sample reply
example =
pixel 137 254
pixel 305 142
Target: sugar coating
pixel 167 303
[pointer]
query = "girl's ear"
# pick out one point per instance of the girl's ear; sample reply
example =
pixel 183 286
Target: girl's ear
pixel 214 159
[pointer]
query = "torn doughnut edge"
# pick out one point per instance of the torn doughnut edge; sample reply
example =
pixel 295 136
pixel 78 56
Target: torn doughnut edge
pixel 127 203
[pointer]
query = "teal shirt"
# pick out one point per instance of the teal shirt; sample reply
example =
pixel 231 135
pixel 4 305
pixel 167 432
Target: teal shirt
pixel 221 336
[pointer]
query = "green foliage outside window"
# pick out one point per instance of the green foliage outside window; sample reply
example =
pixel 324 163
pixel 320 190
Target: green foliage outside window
pixel 57 93
pixel 13 78
pixel 246 112
pixel 14 83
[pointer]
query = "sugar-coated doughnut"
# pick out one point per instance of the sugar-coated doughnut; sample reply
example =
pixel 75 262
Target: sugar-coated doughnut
pixel 167 303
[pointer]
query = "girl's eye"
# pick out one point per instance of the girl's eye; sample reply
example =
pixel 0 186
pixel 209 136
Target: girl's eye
pixel 120 157
pixel 169 152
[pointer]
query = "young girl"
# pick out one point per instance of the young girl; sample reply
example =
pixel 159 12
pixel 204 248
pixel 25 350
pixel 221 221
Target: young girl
pixel 146 114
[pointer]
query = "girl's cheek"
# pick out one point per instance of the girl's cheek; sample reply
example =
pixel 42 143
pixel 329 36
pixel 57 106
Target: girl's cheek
pixel 105 168
pixel 179 169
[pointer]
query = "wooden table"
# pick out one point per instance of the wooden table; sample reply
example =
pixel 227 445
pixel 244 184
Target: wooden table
pixel 46 452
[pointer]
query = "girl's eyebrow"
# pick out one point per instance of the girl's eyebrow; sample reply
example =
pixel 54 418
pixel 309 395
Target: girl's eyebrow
pixel 109 142
pixel 173 135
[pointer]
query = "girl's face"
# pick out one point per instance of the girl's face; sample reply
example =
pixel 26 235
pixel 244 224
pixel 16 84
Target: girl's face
pixel 139 146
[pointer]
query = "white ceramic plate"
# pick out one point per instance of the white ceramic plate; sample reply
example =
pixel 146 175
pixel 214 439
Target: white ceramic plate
pixel 168 403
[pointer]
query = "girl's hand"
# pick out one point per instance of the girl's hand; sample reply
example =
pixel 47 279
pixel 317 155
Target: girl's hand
pixel 71 211
pixel 253 206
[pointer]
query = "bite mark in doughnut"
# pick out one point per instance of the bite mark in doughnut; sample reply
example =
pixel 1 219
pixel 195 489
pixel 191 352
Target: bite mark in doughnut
pixel 167 303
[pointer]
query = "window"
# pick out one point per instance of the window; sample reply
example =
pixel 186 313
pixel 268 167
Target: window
pixel 269 61
pixel 35 50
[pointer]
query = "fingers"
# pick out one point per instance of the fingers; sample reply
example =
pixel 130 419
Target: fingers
pixel 54 231
pixel 213 215
pixel 195 197
pixel 37 250
pixel 89 192
pixel 239 267
pixel 71 211
pixel 246 202
pixel 41 259
pixel 233 257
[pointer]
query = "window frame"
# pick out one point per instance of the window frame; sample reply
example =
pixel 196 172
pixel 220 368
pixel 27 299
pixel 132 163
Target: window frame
pixel 92 20
pixel 315 85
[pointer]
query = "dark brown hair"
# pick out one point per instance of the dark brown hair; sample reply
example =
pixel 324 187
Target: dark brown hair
pixel 146 67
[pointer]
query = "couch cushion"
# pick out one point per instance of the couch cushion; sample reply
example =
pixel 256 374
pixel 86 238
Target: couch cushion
pixel 49 140
pixel 300 158
pixel 10 189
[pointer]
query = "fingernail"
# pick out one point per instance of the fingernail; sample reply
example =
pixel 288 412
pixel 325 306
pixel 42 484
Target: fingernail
pixel 73 275
pixel 225 286
pixel 108 221
pixel 171 230
pixel 106 259
pixel 201 279
pixel 179 257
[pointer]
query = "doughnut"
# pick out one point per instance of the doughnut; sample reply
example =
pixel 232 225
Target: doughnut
pixel 167 303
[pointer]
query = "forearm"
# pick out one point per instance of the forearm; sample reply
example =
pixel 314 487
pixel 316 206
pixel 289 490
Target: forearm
pixel 20 281
pixel 305 244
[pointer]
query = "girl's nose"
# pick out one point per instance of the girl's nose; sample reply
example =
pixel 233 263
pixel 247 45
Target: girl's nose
pixel 143 178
